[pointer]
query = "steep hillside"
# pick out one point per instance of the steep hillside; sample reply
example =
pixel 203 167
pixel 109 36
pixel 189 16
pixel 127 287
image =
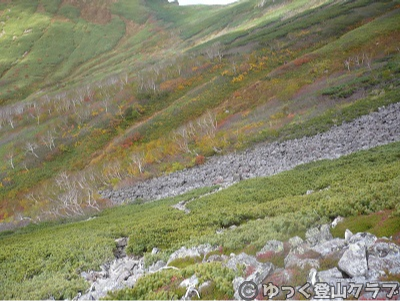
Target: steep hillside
pixel 108 105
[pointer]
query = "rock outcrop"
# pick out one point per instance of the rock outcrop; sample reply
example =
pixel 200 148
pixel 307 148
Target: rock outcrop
pixel 361 259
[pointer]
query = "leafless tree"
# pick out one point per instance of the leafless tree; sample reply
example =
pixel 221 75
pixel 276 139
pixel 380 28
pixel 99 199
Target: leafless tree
pixel 32 197
pixel 30 147
pixel 68 196
pixel 215 50
pixel 124 79
pixel 83 115
pixel 121 111
pixel 105 102
pixel 138 160
pixel 85 182
pixel 368 60
pixel 10 120
pixel 182 138
pixel 208 124
pixel 89 92
pixel 347 63
pixel 48 139
pixel 36 112
pixel 112 170
pixel 10 158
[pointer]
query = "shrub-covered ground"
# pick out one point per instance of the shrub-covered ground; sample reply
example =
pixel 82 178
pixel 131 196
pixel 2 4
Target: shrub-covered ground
pixel 46 260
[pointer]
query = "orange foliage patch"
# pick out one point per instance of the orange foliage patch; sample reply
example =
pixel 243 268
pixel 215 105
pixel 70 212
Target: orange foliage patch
pixel 301 61
pixel 172 84
pixel 200 160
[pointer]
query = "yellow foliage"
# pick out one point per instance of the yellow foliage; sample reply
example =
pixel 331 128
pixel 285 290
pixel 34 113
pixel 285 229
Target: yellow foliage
pixel 239 78
pixel 226 72
pixel 216 67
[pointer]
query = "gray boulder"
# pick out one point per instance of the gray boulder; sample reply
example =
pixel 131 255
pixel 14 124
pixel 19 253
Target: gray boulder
pixel 295 260
pixel 236 284
pixel 347 235
pixel 384 256
pixel 236 261
pixel 354 260
pixel 330 246
pixel 275 246
pixel 119 274
pixel 295 242
pixel 216 257
pixel 121 244
pixel 336 221
pixel 330 276
pixel 204 287
pixel 318 235
pixel 190 282
pixel 157 266
pixel 199 251
pixel 367 238
pixel 261 270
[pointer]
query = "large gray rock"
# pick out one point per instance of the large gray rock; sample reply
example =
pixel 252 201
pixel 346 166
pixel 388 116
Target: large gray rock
pixel 157 266
pixel 119 274
pixel 190 282
pixel 275 246
pixel 219 258
pixel 330 246
pixel 337 221
pixel 199 251
pixel 236 284
pixel 238 261
pixel 347 235
pixel 318 235
pixel 366 238
pixel 120 244
pixel 354 260
pixel 384 257
pixel 296 241
pixel 330 276
pixel 293 260
pixel 260 271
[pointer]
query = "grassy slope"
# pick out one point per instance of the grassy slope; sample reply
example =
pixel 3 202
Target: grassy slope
pixel 45 260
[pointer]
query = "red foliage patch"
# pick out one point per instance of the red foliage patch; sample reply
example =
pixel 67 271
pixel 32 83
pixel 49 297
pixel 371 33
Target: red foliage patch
pixel 250 270
pixel 265 256
pixel 301 61
pixel 200 160
pixel 137 136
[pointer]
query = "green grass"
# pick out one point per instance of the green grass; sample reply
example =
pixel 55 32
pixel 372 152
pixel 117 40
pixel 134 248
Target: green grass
pixel 52 256
pixel 131 10
pixel 380 224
